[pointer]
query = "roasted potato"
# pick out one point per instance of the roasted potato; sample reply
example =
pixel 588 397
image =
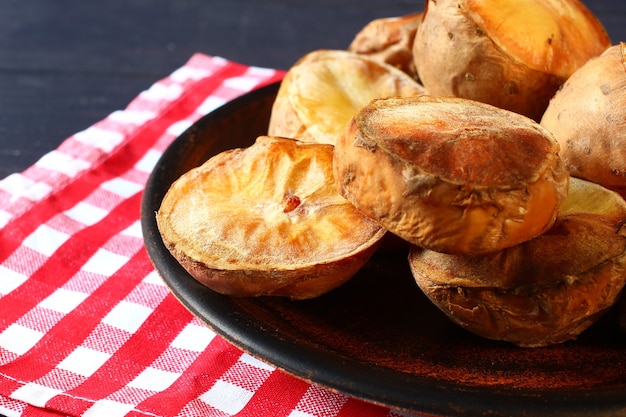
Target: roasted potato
pixel 450 174
pixel 389 40
pixel 325 88
pixel 266 220
pixel 587 117
pixel 541 292
pixel 513 54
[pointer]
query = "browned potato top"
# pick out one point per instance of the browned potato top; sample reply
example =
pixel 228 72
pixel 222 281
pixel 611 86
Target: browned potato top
pixel 450 174
pixel 552 36
pixel 464 142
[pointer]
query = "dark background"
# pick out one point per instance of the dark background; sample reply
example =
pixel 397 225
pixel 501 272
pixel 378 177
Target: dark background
pixel 65 64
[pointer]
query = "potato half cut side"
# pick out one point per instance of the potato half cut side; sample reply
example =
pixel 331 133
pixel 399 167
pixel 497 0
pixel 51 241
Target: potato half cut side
pixel 450 174
pixel 544 291
pixel 266 220
pixel 323 90
pixel 513 54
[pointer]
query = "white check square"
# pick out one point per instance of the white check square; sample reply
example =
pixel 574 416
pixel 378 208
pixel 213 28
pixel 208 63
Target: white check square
pixel 16 183
pixel 210 103
pixel 260 71
pixel 65 164
pixel 137 117
pixel 158 92
pixel 227 397
pixel 297 413
pixel 127 316
pixel 154 278
pixel 186 73
pixel 34 394
pixel 108 408
pixel 103 139
pixel 45 240
pixel 243 83
pixel 63 300
pixel 134 230
pixel 10 280
pixel 193 338
pixel 37 192
pixel 251 360
pixel 84 361
pixel 179 127
pixel 104 262
pixel 5 218
pixel 149 160
pixel 122 187
pixel 19 339
pixel 153 379
pixel 86 214
pixel 19 186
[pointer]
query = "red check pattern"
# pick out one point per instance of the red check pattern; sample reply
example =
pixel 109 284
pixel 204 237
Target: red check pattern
pixel 87 327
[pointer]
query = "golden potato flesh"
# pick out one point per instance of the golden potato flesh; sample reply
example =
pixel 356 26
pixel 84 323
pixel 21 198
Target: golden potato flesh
pixel 552 36
pixel 322 91
pixel 266 220
pixel 450 174
pixel 541 292
pixel 513 54
pixel 587 118
pixel 389 40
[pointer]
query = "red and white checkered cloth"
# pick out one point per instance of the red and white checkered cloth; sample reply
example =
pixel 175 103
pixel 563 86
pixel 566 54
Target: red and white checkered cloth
pixel 87 327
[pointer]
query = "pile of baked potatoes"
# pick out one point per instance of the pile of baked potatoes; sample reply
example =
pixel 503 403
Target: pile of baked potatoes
pixel 488 136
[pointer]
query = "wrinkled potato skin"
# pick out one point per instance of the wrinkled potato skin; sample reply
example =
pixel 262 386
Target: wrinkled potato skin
pixel 587 118
pixel 449 174
pixel 455 56
pixel 300 284
pixel 389 40
pixel 542 292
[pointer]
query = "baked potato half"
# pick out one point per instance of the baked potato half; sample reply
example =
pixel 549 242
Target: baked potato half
pixel 544 291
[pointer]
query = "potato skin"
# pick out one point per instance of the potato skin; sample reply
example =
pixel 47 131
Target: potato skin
pixel 297 284
pixel 587 118
pixel 460 50
pixel 449 174
pixel 541 292
pixel 389 40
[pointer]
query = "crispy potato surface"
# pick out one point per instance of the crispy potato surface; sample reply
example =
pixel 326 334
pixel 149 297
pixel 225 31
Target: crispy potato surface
pixel 266 220
pixel 541 292
pixel 509 53
pixel 451 174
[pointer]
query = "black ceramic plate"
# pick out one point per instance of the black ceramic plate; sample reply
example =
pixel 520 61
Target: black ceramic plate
pixel 377 337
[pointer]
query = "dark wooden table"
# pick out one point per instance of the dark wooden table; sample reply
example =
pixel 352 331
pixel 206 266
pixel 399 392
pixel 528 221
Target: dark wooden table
pixel 65 64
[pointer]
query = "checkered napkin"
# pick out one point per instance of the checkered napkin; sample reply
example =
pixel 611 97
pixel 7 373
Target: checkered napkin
pixel 87 327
